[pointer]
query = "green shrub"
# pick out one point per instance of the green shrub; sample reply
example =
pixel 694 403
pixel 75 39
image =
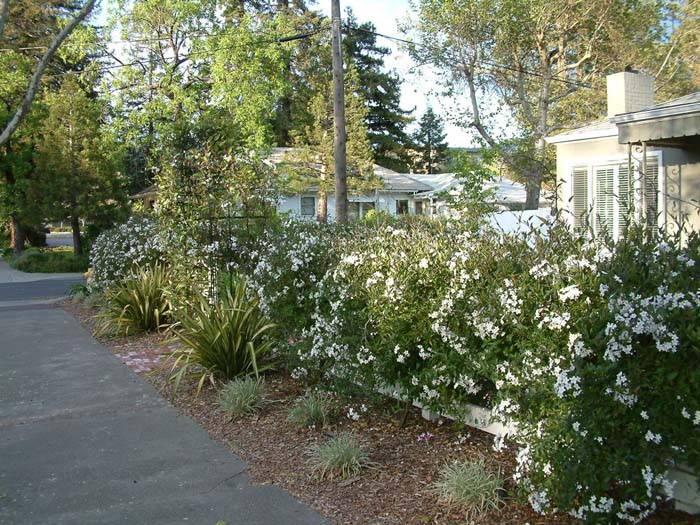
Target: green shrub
pixel 471 485
pixel 241 396
pixel 223 341
pixel 342 456
pixel 583 344
pixel 312 410
pixel 117 252
pixel 34 260
pixel 287 267
pixel 136 304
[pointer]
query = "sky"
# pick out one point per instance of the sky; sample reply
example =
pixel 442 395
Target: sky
pixel 415 90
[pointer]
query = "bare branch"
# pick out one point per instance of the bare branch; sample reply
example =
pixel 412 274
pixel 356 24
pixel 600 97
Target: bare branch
pixel 33 87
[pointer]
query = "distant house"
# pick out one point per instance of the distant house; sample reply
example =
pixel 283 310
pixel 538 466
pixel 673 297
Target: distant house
pixel 640 163
pixel 398 194
pixel 504 193
pixel 147 196
pixel 394 196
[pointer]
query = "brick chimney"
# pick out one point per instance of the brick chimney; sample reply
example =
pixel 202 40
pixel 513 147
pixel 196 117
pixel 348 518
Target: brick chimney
pixel 629 91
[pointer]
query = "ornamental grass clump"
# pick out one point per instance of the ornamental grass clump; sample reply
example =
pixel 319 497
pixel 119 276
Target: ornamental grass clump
pixel 312 410
pixel 222 341
pixel 472 486
pixel 241 397
pixel 342 456
pixel 136 304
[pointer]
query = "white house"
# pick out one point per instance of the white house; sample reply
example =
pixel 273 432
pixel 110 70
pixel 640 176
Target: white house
pixel 399 194
pixel 641 162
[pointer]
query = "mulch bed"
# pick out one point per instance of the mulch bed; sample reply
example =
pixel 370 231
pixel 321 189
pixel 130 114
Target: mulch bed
pixel 394 491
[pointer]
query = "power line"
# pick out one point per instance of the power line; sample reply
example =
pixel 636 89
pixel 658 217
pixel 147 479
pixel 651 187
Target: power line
pixel 165 39
pixel 487 63
pixel 249 45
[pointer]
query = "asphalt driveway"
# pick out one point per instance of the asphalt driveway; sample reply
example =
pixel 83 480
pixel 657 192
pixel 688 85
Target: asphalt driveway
pixel 85 440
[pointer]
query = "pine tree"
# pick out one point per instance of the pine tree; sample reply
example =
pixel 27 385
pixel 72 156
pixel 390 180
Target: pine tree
pixel 312 160
pixel 429 143
pixel 386 120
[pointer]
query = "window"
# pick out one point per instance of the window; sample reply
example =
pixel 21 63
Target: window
pixel 604 196
pixel 308 206
pixel 419 207
pixel 357 210
pixel 402 207
pixel 353 211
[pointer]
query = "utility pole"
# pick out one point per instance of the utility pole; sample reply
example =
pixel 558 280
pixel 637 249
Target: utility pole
pixel 339 139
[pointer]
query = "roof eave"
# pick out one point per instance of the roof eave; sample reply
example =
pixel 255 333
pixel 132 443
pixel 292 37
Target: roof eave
pixel 584 135
pixel 659 113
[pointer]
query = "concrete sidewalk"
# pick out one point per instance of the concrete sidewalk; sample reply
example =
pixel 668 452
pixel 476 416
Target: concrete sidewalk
pixel 84 440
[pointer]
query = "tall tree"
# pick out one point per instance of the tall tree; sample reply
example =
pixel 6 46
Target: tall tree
pixel 312 161
pixel 32 88
pixel 381 88
pixel 31 32
pixel 429 143
pixel 77 171
pixel 534 58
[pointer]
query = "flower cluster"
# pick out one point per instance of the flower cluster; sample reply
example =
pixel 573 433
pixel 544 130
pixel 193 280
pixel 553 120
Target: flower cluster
pixel 116 251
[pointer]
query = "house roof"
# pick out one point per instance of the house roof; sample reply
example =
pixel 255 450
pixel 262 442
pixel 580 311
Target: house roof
pixel 675 118
pixel 400 182
pixel 687 104
pixel 392 180
pixel 597 130
pixel 151 191
pixel 505 191
pixel 663 123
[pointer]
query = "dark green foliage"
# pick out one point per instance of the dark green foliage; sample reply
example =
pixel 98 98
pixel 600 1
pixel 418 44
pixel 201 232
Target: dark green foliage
pixel 223 341
pixel 386 120
pixel 49 261
pixel 429 143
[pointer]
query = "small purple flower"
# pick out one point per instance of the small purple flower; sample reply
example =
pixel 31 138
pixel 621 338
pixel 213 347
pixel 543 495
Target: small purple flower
pixel 425 437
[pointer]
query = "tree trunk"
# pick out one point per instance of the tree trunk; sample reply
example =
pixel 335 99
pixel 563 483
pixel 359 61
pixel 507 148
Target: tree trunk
pixel 339 135
pixel 322 206
pixel 77 240
pixel 18 237
pixel 534 177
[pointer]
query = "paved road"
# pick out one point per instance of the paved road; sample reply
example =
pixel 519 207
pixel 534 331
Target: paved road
pixel 84 440
pixel 46 289
pixel 59 239
pixel 16 286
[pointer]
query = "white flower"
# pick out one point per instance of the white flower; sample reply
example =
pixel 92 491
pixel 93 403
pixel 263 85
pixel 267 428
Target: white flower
pixel 423 263
pixel 652 438
pixel 569 293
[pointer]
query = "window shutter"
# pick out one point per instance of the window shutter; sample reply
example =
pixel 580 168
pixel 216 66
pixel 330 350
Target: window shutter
pixel 604 200
pixel 579 201
pixel 623 197
pixel 651 191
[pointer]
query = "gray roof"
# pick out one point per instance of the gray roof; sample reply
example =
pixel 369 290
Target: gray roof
pixel 393 181
pixel 670 106
pixel 400 182
pixel 599 129
pixel 151 191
